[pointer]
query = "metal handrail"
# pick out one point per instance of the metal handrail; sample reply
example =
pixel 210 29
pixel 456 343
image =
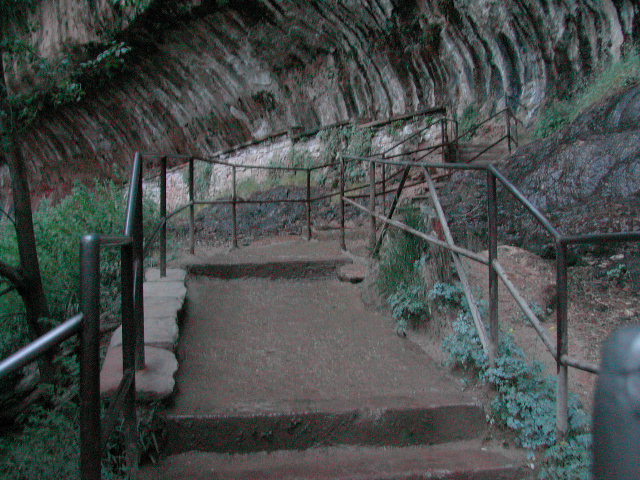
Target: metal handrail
pixel 496 272
pixel 40 346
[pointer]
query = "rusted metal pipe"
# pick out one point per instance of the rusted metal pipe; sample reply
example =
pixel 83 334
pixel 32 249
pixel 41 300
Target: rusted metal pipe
pixel 562 402
pixel 192 221
pixel 163 215
pixel 90 448
pixel 372 206
pixel 308 203
pixel 492 216
pixel 234 208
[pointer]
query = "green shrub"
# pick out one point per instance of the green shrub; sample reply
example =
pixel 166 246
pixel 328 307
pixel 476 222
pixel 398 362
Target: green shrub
pixel 58 229
pixel 568 460
pixel 400 258
pixel 525 401
pixel 618 75
pixel 448 295
pixel 468 121
pixel 409 304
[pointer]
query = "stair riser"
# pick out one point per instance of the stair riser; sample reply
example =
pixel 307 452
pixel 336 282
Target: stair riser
pixel 495 474
pixel 237 434
pixel 274 270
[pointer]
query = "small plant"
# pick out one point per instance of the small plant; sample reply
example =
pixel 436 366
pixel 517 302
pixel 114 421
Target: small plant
pixel 447 295
pixel 525 401
pixel 409 304
pixel 568 460
pixel 468 122
pixel 618 273
pixel 400 257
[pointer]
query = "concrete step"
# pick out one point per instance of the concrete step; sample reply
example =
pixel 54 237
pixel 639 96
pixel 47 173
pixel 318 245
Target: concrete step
pixel 460 461
pixel 377 421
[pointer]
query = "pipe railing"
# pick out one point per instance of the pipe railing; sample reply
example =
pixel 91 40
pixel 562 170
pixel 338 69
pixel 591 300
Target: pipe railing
pixel 94 428
pixel 557 348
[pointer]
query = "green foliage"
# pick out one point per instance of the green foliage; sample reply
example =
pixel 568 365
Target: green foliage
pixel 525 400
pixel 408 303
pixel 447 295
pixel 350 141
pixel 618 273
pixel 610 80
pixel 568 460
pixel 46 449
pixel 463 346
pixel 400 258
pixel 58 229
pixel 468 122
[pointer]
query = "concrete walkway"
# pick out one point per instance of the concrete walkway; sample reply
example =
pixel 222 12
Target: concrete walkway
pixel 277 355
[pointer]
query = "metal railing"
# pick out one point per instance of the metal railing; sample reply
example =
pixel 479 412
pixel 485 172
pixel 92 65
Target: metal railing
pixel 94 429
pixel 558 347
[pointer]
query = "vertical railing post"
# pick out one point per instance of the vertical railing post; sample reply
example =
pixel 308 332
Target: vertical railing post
pixel 492 215
pixel 90 435
pixel 508 121
pixel 384 189
pixel 192 222
pixel 129 355
pixel 163 216
pixel 372 205
pixel 343 242
pixel 234 207
pixel 138 265
pixel 443 138
pixel 562 420
pixel 308 204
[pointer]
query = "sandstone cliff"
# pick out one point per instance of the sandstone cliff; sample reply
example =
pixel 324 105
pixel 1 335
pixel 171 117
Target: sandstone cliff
pixel 220 73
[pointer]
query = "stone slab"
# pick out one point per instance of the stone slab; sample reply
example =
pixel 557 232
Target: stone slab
pixel 352 273
pixel 162 306
pixel 165 289
pixel 154 382
pixel 160 332
pixel 173 275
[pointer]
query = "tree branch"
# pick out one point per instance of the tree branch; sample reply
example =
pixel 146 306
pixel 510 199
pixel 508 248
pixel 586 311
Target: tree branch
pixel 13 274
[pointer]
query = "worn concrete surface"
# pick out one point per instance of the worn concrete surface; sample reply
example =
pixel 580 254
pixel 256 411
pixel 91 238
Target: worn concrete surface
pixel 465 460
pixel 267 345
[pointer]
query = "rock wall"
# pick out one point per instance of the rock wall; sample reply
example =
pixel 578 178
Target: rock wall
pixel 215 180
pixel 215 77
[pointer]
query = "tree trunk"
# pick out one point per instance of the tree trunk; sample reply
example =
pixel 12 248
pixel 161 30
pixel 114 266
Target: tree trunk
pixel 30 288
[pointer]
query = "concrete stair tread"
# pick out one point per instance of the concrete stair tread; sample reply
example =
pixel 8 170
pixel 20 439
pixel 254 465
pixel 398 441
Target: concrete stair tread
pixel 392 420
pixel 461 460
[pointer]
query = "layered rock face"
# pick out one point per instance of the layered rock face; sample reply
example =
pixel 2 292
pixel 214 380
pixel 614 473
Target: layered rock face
pixel 221 75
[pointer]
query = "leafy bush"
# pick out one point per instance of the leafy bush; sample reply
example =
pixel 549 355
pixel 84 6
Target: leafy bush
pixel 468 121
pixel 525 401
pixel 45 445
pixel 401 256
pixel 448 295
pixel 58 229
pixel 618 75
pixel 409 304
pixel 568 460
